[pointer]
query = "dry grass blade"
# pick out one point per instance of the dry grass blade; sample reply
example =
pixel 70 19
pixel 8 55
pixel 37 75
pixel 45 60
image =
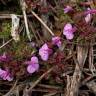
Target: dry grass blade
pixel 23 5
pixel 40 40
pixel 39 79
pixel 11 90
pixel 6 43
pixel 44 17
pixel 68 85
pixel 75 80
pixel 17 91
pixel 82 53
pixel 25 92
pixel 50 94
pixel 91 58
pixel 49 30
pixel 36 82
pixel 33 30
pixel 8 16
pixel 92 86
pixel 4 2
pixel 48 86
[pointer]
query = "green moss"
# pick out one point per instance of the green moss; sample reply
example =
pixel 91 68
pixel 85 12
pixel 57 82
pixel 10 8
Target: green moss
pixel 21 50
pixel 6 29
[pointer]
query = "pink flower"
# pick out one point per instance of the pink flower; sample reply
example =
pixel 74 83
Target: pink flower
pixel 56 41
pixel 5 75
pixel 91 11
pixel 4 58
pixel 44 52
pixel 67 9
pixel 88 17
pixel 68 31
pixel 32 65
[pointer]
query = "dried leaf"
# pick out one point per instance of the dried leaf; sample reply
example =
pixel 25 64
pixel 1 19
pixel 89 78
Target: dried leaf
pixel 15 27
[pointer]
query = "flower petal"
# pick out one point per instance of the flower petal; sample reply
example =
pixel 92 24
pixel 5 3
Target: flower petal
pixel 67 28
pixel 5 75
pixel 9 78
pixel 44 52
pixel 32 68
pixel 67 9
pixel 34 59
pixel 88 18
pixel 44 55
pixel 56 41
pixel 70 36
pixel 68 31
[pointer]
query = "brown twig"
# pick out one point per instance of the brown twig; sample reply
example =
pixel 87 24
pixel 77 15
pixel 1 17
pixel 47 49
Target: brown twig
pixel 41 21
pixel 11 90
pixel 72 90
pixel 40 78
pixel 23 5
pixel 50 94
pixel 6 43
pixel 91 58
pixel 8 16
pixel 34 33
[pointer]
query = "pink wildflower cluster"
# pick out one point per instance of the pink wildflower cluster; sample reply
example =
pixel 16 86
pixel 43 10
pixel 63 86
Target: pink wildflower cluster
pixel 4 58
pixel 67 9
pixel 5 75
pixel 68 31
pixel 33 65
pixel 45 51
